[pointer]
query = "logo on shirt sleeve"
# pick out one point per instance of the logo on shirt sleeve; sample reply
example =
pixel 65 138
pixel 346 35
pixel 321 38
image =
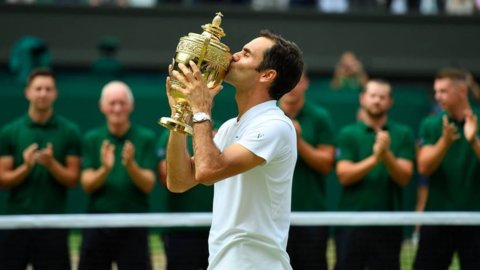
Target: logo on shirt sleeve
pixel 338 152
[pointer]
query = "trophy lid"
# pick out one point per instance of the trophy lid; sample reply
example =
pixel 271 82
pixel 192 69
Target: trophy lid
pixel 214 28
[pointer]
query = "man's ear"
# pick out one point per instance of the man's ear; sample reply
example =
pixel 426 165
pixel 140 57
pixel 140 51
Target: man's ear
pixel 268 75
pixel 132 106
pixel 464 88
pixel 100 107
pixel 391 103
pixel 360 98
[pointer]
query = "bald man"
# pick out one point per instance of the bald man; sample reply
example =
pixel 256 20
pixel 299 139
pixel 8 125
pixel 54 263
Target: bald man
pixel 118 173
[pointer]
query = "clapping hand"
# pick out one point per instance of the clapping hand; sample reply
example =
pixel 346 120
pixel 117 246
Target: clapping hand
pixel 45 156
pixel 30 155
pixel 128 153
pixel 450 132
pixel 470 128
pixel 382 144
pixel 298 128
pixel 107 155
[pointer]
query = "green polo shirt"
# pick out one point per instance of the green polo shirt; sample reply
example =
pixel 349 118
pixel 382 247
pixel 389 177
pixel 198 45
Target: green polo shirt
pixel 39 193
pixel 308 187
pixel 455 185
pixel 119 194
pixel 376 191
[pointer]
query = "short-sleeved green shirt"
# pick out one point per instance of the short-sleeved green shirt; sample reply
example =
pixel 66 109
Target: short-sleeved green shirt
pixel 40 192
pixel 455 185
pixel 308 187
pixel 376 191
pixel 119 194
pixel 197 199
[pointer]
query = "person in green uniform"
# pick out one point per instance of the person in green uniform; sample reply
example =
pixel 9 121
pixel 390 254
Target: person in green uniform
pixel 375 160
pixel 118 174
pixel 307 245
pixel 39 162
pixel 450 156
pixel 185 248
pixel 349 74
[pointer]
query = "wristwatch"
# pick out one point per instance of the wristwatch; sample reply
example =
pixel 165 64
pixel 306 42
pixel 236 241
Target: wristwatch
pixel 199 117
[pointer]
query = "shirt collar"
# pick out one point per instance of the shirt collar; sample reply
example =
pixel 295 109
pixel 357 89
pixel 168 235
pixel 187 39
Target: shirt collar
pixel 370 129
pixel 453 120
pixel 257 110
pixel 51 122
pixel 123 137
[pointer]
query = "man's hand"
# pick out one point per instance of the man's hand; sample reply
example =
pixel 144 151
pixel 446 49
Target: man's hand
pixel 199 95
pixel 450 132
pixel 45 156
pixel 30 155
pixel 128 153
pixel 107 155
pixel 471 126
pixel 298 128
pixel 381 145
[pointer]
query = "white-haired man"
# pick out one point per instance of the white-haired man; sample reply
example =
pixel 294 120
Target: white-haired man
pixel 118 173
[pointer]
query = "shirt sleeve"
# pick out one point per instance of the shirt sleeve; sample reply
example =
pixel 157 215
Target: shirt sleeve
pixel 426 133
pixel 407 150
pixel 88 151
pixel 74 142
pixel 267 139
pixel 6 148
pixel 345 147
pixel 326 130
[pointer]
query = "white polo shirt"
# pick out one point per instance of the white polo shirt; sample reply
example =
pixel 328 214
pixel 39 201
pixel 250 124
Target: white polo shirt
pixel 251 211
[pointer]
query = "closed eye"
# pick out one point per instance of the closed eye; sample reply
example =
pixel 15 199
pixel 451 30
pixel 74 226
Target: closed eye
pixel 246 52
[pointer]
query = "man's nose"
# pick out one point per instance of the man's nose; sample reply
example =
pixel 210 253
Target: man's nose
pixel 43 92
pixel 117 107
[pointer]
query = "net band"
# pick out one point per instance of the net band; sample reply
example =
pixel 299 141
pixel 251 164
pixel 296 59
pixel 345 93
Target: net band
pixel 204 219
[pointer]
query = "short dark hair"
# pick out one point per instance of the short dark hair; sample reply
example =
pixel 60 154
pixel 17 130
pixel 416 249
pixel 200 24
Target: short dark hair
pixel 452 73
pixel 40 72
pixel 379 81
pixel 285 57
pixel 460 75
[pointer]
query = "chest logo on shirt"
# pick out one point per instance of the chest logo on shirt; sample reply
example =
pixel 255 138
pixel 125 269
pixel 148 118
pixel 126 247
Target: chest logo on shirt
pixel 260 135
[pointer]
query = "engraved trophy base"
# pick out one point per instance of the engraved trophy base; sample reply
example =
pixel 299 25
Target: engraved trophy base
pixel 176 125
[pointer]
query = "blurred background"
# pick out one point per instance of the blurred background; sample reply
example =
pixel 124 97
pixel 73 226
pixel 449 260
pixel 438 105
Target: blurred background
pixel 88 43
